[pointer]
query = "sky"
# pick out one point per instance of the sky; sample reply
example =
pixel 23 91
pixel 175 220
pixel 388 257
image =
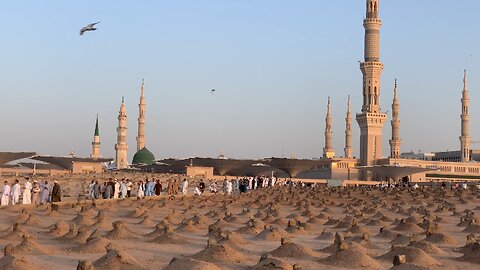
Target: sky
pixel 273 64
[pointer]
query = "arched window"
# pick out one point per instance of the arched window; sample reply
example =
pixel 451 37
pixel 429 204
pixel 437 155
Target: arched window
pixel 375 9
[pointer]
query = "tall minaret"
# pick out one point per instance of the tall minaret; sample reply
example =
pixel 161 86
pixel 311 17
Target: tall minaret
pixel 395 141
pixel 96 143
pixel 121 147
pixel 348 132
pixel 141 120
pixel 328 150
pixel 371 119
pixel 465 135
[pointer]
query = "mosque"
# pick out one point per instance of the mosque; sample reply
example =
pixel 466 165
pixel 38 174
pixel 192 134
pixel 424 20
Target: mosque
pixel 371 165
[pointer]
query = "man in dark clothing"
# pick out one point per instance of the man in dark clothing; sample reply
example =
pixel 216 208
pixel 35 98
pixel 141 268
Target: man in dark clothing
pixel 111 183
pixel 56 193
pixel 201 186
pixel 158 187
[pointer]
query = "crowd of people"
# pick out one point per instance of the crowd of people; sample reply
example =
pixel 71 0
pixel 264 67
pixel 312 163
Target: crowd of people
pixel 33 193
pixel 42 192
pixel 125 188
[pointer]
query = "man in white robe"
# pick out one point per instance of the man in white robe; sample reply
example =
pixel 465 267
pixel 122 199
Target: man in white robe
pixel 140 190
pixel 116 189
pixel 16 193
pixel 184 186
pixel 27 193
pixel 229 187
pixel 5 193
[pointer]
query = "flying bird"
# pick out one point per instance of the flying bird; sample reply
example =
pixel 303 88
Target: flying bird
pixel 213 91
pixel 89 27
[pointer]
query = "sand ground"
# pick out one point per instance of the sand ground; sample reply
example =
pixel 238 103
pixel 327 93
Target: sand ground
pixel 233 232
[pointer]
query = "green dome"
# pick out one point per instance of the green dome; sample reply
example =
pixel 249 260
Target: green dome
pixel 144 156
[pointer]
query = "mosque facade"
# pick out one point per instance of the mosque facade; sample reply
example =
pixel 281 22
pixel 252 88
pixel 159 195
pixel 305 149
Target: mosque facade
pixel 371 121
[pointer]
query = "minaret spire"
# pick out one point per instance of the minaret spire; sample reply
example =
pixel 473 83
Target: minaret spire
pixel 348 132
pixel 141 119
pixel 121 148
pixel 465 128
pixel 395 141
pixel 371 119
pixel 328 150
pixel 96 142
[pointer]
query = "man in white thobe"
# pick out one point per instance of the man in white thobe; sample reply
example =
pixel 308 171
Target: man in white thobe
pixel 229 187
pixel 184 186
pixel 116 189
pixel 27 193
pixel 5 193
pixel 16 193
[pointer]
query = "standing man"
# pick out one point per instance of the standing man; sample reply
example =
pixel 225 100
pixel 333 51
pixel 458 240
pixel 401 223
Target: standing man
pixel 96 190
pixel 27 193
pixel 124 189
pixel 184 186
pixel 158 188
pixel 116 189
pixel 147 188
pixel 6 193
pixel 229 187
pixel 35 193
pixel 45 192
pixel 56 192
pixel 16 192
pixel 140 190
pixel 91 190
pixel 129 188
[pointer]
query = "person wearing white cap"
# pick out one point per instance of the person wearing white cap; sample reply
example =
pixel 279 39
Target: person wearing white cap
pixel 6 193
pixel 27 194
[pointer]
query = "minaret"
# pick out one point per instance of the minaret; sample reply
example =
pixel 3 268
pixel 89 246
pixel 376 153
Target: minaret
pixel 371 119
pixel 96 143
pixel 328 150
pixel 465 135
pixel 141 120
pixel 395 141
pixel 121 147
pixel 348 132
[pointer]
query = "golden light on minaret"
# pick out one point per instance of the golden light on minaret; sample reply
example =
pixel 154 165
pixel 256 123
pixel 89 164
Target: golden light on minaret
pixel 465 129
pixel 328 150
pixel 121 147
pixel 348 132
pixel 371 120
pixel 395 141
pixel 141 119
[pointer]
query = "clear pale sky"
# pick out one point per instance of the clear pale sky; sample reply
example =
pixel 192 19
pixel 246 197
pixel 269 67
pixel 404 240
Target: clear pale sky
pixel 273 63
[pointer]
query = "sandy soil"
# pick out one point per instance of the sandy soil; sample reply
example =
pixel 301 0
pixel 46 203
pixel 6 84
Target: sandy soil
pixel 272 228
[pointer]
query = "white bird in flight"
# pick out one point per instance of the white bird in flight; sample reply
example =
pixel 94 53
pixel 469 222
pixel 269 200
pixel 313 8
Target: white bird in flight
pixel 89 27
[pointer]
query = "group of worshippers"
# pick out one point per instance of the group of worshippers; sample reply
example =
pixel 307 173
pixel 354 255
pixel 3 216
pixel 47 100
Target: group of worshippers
pixel 115 189
pixel 174 186
pixel 111 189
pixel 236 186
pixel 32 193
pixel 150 187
